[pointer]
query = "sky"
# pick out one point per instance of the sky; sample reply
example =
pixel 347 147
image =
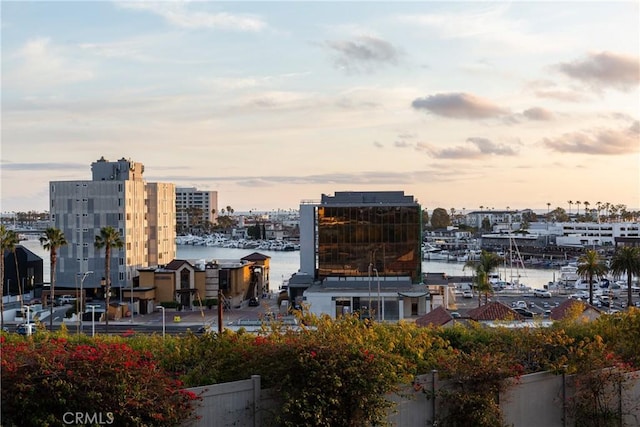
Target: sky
pixel 460 104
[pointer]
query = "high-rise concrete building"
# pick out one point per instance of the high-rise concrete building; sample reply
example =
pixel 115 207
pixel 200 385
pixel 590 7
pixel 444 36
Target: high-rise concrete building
pixel 117 196
pixel 195 208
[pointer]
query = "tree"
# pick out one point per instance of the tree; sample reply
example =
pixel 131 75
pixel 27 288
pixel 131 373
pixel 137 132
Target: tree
pixel 254 231
pixel 425 217
pixel 590 265
pixel 440 218
pixel 483 267
pixel 626 260
pixel 570 203
pixel 52 240
pixel 109 239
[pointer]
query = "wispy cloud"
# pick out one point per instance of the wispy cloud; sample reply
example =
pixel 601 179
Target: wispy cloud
pixel 458 106
pixel 180 15
pixel 363 53
pixel 41 64
pixel 40 167
pixel 476 148
pixel 538 113
pixel 489 25
pixel 598 142
pixel 605 69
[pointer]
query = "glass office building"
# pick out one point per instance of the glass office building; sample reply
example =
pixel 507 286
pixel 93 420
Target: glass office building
pixel 359 233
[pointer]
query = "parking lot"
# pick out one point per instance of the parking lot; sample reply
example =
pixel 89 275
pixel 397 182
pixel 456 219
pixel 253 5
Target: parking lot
pixel 540 306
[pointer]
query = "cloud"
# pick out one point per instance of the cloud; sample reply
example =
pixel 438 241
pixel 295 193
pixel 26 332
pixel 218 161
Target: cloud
pixel 550 90
pixel 458 106
pixel 52 166
pixel 604 69
pixel 486 25
pixel 538 113
pixel 363 54
pixel 41 64
pixel 177 14
pixel 600 141
pixel 476 148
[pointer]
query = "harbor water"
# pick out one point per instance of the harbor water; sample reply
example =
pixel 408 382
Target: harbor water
pixel 285 263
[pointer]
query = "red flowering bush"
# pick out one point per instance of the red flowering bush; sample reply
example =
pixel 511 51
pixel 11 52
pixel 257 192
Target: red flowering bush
pixel 49 381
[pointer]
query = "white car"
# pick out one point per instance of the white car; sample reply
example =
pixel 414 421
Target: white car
pixel 467 294
pixel 519 304
pixel 66 299
pixel 580 295
pixel 542 293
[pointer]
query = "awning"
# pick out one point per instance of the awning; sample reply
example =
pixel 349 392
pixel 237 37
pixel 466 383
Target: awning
pixel 413 294
pixel 187 291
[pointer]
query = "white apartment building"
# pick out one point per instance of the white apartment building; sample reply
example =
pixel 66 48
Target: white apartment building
pixel 595 234
pixel 190 201
pixel 117 196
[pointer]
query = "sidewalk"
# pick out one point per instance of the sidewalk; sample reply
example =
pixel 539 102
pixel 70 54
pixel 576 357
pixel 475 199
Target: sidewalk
pixel 194 317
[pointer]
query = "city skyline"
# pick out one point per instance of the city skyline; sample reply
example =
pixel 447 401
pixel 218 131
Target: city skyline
pixel 459 104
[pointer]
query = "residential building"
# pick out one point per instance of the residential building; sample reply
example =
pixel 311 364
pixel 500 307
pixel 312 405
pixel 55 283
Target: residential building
pixel 361 252
pixel 191 282
pixel 117 196
pixel 29 271
pixel 195 209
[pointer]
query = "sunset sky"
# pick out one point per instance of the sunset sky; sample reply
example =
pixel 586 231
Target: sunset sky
pixel 460 104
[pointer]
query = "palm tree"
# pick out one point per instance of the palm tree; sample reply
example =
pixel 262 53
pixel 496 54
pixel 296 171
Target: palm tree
pixel 52 240
pixel 109 238
pixel 487 263
pixel 590 265
pixel 626 260
pixel 586 208
pixel 570 203
pixel 578 209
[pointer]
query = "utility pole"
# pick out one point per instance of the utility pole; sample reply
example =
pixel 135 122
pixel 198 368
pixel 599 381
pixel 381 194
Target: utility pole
pixel 220 296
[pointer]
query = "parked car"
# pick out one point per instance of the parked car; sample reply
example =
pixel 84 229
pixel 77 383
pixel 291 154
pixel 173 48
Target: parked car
pixel 519 304
pixel 66 299
pixel 467 294
pixel 524 312
pixel 542 293
pixel 26 328
pixel 580 295
pixel 253 302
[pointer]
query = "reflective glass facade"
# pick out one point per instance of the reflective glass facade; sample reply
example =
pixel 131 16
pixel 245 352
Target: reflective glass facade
pixel 354 240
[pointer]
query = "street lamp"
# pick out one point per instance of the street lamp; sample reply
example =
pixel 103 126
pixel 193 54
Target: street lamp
pixel 81 306
pixel 93 320
pixel 380 305
pixel 369 308
pixel 132 310
pixel 163 320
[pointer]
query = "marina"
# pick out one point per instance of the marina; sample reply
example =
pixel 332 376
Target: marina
pixel 284 263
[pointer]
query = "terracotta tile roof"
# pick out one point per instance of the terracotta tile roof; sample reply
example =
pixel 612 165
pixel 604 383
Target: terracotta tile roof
pixel 494 311
pixel 571 306
pixel 256 256
pixel 436 317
